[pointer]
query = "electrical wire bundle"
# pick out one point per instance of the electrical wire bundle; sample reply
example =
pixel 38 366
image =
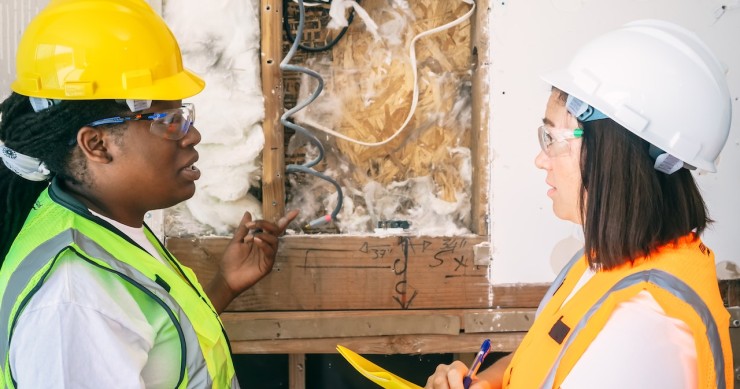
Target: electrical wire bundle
pixel 307 167
pixel 328 46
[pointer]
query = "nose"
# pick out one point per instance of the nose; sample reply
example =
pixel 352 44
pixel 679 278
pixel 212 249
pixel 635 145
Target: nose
pixel 541 160
pixel 192 138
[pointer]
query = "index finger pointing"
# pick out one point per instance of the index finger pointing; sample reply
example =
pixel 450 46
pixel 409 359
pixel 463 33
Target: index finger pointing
pixel 285 220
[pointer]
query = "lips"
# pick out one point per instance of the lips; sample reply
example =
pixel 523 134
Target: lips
pixel 551 190
pixel 190 171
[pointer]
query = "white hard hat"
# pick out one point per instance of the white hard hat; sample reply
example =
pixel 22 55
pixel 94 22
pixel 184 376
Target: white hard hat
pixel 658 80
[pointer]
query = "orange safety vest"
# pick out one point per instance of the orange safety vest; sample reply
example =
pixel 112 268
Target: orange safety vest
pixel 682 279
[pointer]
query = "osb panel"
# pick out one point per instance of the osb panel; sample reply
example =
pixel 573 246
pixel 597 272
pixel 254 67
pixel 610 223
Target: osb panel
pixel 374 82
pixel 355 272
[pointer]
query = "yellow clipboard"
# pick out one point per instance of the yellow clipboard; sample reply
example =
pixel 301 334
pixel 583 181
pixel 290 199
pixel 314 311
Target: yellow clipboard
pixel 374 372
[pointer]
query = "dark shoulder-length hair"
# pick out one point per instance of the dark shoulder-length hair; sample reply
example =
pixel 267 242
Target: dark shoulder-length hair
pixel 630 209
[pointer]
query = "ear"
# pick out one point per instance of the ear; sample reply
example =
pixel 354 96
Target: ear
pixel 94 144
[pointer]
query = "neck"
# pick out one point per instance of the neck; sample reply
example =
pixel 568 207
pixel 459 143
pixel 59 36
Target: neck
pixel 99 202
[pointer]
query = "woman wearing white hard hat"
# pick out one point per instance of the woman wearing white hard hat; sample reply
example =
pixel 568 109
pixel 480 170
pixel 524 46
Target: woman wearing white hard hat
pixel 627 120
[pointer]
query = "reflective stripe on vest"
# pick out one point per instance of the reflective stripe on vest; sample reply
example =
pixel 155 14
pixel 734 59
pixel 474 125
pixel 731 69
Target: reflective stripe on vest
pixel 42 259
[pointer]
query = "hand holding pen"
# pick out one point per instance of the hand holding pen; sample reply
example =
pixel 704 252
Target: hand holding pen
pixel 485 348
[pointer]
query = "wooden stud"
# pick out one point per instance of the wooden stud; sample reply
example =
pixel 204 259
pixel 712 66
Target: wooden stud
pixel 481 119
pixel 297 371
pixel 273 153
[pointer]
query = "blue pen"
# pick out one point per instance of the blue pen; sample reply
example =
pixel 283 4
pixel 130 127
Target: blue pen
pixel 485 348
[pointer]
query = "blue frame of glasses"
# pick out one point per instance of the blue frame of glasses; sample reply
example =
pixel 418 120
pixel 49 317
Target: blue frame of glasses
pixel 160 125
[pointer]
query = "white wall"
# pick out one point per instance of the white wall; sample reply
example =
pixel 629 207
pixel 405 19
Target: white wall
pixel 530 37
pixel 14 16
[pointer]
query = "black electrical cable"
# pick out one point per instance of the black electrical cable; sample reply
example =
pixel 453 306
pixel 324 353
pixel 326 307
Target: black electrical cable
pixel 307 167
pixel 291 38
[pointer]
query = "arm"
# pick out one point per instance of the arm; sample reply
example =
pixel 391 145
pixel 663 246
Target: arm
pixel 248 257
pixel 451 376
pixel 494 374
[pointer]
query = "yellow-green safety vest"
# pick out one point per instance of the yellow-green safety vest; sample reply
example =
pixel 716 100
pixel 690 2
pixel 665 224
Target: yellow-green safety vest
pixel 59 225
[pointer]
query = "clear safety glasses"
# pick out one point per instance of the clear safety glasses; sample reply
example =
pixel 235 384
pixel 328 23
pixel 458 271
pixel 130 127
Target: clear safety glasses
pixel 169 124
pixel 554 142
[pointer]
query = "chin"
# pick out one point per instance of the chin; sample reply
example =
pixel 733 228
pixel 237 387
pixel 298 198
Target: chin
pixel 180 196
pixel 567 216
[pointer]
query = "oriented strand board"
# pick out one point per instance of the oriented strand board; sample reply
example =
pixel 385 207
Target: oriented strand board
pixel 374 83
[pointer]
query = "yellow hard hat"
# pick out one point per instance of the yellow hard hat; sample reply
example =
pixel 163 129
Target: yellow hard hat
pixel 101 49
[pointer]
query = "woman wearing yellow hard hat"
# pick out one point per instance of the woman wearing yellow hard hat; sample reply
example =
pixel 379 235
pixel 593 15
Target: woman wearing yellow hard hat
pixel 94 135
pixel 628 118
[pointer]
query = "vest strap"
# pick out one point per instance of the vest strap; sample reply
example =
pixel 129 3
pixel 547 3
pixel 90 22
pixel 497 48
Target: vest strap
pixel 558 282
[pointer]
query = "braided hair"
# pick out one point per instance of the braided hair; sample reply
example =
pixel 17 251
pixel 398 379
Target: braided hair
pixel 48 135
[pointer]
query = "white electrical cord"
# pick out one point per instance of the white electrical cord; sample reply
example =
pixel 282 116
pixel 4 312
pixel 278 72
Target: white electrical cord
pixel 415 98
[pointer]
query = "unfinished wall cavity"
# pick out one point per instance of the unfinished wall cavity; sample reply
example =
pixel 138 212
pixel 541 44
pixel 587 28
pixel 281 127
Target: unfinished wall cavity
pixel 423 175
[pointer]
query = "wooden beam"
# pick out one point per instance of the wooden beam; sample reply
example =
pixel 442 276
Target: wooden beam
pixel 333 324
pixel 397 344
pixel 481 118
pixel 318 273
pixel 498 320
pixel 730 290
pixel 297 371
pixel 315 326
pixel 400 344
pixel 273 153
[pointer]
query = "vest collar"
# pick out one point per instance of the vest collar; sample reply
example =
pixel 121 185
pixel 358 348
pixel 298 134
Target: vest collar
pixel 66 200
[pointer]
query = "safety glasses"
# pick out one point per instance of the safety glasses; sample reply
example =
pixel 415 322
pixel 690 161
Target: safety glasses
pixel 169 124
pixel 554 142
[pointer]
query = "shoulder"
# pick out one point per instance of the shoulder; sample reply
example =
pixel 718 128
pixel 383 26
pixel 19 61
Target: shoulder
pixel 658 351
pixel 78 328
pixel 75 285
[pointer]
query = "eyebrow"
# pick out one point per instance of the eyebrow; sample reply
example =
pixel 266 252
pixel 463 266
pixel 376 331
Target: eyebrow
pixel 547 122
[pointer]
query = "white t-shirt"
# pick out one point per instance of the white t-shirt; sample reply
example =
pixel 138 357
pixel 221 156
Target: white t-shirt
pixel 83 329
pixel 639 347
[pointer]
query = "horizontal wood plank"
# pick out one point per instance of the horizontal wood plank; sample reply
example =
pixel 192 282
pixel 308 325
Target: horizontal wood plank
pixel 365 272
pixel 332 324
pixel 327 327
pixel 399 344
pixel 500 320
